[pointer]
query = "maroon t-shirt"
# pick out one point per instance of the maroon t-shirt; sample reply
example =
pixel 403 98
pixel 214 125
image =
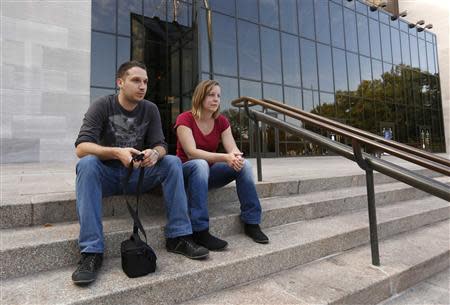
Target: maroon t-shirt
pixel 209 142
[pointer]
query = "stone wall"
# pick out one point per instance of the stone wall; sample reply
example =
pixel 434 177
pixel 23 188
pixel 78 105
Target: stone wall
pixel 436 12
pixel 45 78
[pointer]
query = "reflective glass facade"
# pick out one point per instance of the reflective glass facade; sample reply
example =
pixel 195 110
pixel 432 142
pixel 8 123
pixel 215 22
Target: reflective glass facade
pixel 335 58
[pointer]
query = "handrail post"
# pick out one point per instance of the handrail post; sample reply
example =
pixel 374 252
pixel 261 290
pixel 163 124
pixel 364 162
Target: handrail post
pixel 258 140
pixel 258 150
pixel 371 202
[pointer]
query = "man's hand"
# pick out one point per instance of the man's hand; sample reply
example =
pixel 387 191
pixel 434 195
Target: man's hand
pixel 151 156
pixel 125 155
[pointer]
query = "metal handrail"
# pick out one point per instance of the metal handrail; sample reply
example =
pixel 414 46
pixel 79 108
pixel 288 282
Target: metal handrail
pixel 367 162
pixel 364 133
pixel 440 165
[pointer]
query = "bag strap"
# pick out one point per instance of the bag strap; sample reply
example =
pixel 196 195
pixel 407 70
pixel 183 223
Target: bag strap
pixel 137 224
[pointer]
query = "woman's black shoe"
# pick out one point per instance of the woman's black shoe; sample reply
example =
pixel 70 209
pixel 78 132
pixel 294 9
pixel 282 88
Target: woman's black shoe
pixel 254 232
pixel 205 239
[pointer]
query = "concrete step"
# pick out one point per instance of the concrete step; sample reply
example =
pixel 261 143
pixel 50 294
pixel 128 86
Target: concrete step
pixel 435 290
pixel 28 209
pixel 178 279
pixel 57 244
pixel 349 278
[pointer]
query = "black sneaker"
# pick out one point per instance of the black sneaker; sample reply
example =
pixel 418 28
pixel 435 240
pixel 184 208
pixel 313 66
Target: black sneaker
pixel 205 239
pixel 88 267
pixel 185 245
pixel 254 232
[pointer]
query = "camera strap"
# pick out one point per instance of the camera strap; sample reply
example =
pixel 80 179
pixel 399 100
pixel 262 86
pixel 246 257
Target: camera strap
pixel 137 225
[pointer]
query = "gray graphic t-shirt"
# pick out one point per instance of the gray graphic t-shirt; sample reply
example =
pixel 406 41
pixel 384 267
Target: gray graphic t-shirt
pixel 107 123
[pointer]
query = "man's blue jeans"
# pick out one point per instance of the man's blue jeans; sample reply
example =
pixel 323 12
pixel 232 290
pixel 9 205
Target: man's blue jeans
pixel 96 180
pixel 199 177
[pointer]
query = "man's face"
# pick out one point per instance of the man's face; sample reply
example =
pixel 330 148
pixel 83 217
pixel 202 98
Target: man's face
pixel 133 85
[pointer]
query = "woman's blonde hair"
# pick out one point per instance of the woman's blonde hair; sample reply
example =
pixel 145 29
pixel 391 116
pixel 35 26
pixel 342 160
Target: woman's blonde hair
pixel 200 93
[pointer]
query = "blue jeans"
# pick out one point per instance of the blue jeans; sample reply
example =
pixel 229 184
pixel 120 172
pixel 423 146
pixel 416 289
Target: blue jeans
pixel 199 177
pixel 96 180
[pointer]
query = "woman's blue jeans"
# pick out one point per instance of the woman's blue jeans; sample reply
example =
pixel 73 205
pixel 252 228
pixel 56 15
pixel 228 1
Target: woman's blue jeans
pixel 199 177
pixel 96 180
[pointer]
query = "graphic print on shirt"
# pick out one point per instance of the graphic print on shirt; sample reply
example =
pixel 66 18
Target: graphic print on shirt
pixel 126 131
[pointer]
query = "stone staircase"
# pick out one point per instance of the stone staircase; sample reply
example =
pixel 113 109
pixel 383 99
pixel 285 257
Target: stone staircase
pixel 318 251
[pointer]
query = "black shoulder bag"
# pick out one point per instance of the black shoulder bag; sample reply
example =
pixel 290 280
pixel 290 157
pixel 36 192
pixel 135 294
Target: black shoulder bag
pixel 138 258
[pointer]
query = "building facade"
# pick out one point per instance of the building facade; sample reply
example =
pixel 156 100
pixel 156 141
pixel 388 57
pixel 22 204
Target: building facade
pixel 347 60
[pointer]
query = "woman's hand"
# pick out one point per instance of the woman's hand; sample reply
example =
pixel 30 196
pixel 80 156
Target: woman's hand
pixel 235 161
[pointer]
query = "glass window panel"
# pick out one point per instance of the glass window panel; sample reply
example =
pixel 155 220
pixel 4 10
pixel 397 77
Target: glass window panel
pixel 337 25
pixel 386 43
pixel 270 51
pixel 337 1
pixel 224 44
pixel 377 84
pixel 204 46
pixel 154 8
pixel 205 76
pixel 123 50
pixel 291 60
pixel 350 30
pixel 327 107
pixel 293 97
pixel 268 12
pixel 248 9
pixel 325 68
pixel 384 17
pixel 229 91
pixel 306 18
pixel 412 31
pixel 104 15
pixel 393 23
pixel 388 82
pixel 436 60
pixel 184 13
pixel 374 31
pixel 103 60
pixel 249 88
pixel 430 56
pixel 349 4
pixel 310 100
pixel 249 57
pixel 373 14
pixel 226 7
pixel 406 58
pixel 125 9
pixel 288 16
pixel 309 67
pixel 366 77
pixel 428 37
pixel 340 70
pixel 421 34
pixel 361 8
pixel 363 34
pixel 422 55
pixel 99 92
pixel 404 26
pixel 322 21
pixel 396 51
pixel 353 71
pixel 414 52
pixel 273 92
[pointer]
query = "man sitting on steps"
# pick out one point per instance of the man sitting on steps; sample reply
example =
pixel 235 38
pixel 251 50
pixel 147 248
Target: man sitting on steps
pixel 114 129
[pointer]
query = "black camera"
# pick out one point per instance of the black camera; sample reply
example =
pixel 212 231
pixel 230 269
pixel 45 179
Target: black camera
pixel 138 158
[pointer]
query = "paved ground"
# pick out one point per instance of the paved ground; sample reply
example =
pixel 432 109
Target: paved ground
pixel 30 179
pixel 434 290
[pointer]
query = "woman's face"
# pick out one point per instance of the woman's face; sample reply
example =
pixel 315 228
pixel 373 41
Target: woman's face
pixel 212 100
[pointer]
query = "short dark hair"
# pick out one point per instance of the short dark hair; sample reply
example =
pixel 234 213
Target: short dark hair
pixel 127 66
